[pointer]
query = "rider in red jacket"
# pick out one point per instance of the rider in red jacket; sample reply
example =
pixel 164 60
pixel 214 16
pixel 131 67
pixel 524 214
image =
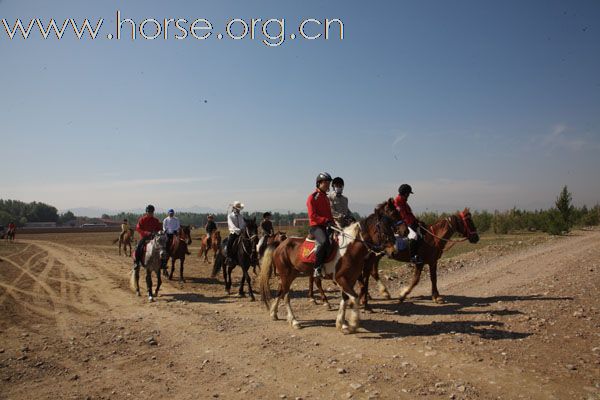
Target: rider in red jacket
pixel 147 225
pixel 319 215
pixel 415 237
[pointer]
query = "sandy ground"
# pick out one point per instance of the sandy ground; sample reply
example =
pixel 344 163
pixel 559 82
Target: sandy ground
pixel 522 322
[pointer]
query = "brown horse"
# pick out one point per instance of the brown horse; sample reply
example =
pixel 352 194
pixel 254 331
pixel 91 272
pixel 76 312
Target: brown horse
pixel 125 240
pixel 10 235
pixel 435 239
pixel 374 234
pixel 388 208
pixel 179 249
pixel 213 243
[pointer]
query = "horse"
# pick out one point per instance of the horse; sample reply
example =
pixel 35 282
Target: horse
pixel 374 234
pixel 388 208
pixel 434 242
pixel 10 235
pixel 154 256
pixel 125 241
pixel 244 254
pixel 179 249
pixel 274 240
pixel 214 242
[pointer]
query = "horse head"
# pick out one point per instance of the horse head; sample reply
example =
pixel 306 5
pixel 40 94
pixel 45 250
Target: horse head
pixel 187 234
pixel 379 228
pixel 465 225
pixel 389 209
pixel 158 245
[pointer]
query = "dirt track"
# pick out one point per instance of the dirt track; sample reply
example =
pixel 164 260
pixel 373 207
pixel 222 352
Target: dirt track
pixel 521 325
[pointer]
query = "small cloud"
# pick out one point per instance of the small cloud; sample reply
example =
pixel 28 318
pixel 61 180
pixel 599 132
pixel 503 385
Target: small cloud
pixel 562 137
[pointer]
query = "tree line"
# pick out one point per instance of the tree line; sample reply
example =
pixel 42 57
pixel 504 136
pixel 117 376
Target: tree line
pixel 557 220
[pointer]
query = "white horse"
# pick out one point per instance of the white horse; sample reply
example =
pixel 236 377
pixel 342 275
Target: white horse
pixel 155 255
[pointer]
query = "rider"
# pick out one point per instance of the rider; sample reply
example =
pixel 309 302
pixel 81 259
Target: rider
pixel 171 226
pixel 267 231
pixel 146 226
pixel 320 220
pixel 11 229
pixel 414 235
pixel 235 223
pixel 339 204
pixel 124 228
pixel 210 227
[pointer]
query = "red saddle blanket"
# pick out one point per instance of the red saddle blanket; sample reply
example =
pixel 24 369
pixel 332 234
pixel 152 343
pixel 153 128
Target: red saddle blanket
pixel 307 253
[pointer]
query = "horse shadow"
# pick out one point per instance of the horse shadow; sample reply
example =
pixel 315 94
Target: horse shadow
pixel 192 298
pixel 203 280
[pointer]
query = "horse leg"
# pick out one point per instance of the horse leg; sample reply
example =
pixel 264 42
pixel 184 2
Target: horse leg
pixel 158 283
pixel 244 273
pixel 149 283
pixel 380 285
pixel 250 286
pixel 275 305
pixel 181 278
pixel 323 297
pixel 363 284
pixel 136 272
pixel 417 275
pixel 311 297
pixel 172 268
pixel 228 281
pixel 119 246
pixel 291 319
pixel 349 298
pixel 435 295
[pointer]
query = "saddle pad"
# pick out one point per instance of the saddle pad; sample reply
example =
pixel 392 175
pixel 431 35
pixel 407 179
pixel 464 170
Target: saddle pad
pixel 308 255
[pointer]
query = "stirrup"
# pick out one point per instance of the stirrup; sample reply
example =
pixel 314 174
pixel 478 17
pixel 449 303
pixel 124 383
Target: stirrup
pixel 318 272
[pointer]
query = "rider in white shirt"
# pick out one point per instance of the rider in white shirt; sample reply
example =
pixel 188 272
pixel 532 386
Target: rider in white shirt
pixel 171 227
pixel 235 223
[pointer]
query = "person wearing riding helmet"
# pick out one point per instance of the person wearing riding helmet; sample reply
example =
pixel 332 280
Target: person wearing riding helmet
pixel 267 230
pixel 171 227
pixel 320 220
pixel 414 235
pixel 339 204
pixel 146 226
pixel 235 223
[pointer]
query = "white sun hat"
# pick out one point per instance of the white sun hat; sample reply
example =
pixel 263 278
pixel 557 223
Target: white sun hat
pixel 238 205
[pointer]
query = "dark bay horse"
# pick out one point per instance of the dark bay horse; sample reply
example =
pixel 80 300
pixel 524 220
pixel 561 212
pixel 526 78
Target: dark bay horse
pixel 435 239
pixel 10 235
pixel 213 243
pixel 125 241
pixel 179 249
pixel 244 254
pixel 374 234
pixel 154 255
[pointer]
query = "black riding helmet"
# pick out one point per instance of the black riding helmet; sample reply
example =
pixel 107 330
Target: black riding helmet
pixel 337 181
pixel 323 176
pixel 267 214
pixel 150 208
pixel 405 190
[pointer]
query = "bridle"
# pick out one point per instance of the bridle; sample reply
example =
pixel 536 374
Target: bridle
pixel 250 238
pixel 373 248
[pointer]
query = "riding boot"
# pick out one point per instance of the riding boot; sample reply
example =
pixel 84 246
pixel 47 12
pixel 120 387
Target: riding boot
pixel 414 246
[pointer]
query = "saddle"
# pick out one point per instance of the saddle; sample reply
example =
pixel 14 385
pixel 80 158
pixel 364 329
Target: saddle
pixel 307 253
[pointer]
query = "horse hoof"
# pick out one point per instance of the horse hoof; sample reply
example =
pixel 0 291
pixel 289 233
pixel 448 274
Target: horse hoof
pixel 252 299
pixel 327 305
pixel 387 296
pixel 438 300
pixel 138 294
pixel 401 300
pixel 150 298
pixel 274 317
pixel 296 324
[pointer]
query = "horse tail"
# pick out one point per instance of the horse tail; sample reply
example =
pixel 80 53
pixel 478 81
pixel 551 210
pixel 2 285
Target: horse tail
pixel 132 280
pixel 116 240
pixel 266 270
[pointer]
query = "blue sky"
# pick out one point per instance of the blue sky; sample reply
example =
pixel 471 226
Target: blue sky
pixel 475 103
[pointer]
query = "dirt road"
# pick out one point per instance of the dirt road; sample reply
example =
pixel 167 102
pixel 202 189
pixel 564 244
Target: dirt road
pixel 520 325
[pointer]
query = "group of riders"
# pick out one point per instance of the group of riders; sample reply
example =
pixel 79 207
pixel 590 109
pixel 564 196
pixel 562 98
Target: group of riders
pixel 327 212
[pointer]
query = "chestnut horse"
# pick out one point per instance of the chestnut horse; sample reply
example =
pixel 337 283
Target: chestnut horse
pixel 389 209
pixel 435 239
pixel 213 243
pixel 179 249
pixel 374 234
pixel 125 241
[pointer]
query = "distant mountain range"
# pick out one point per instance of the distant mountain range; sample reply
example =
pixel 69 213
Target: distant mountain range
pixel 96 212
